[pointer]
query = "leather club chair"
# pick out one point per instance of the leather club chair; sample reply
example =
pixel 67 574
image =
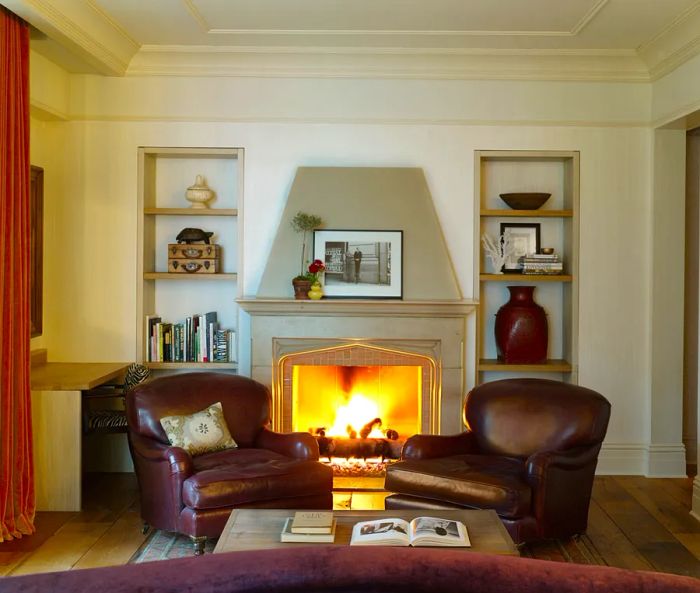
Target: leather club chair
pixel 529 453
pixel 195 495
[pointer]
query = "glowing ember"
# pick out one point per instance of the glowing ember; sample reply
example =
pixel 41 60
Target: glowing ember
pixel 354 416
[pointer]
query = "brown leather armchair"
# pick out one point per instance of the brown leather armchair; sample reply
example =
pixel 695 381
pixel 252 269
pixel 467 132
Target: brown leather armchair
pixel 195 495
pixel 529 453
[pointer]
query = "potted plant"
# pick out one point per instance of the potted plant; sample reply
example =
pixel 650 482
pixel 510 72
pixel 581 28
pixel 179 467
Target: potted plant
pixel 303 223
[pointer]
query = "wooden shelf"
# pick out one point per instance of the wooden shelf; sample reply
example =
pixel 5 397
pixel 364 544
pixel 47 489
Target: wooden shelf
pixel 192 365
pixel 200 277
pixel 526 277
pixel 192 211
pixel 528 213
pixel 551 366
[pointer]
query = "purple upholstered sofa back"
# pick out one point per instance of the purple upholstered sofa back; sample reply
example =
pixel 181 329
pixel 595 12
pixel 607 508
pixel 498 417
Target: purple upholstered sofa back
pixel 359 569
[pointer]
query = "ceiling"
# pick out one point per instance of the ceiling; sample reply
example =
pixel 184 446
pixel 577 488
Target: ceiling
pixel 630 39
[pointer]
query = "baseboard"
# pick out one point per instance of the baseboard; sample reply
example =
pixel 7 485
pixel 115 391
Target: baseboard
pixel 641 459
pixel 667 461
pixel 695 508
pixel 623 459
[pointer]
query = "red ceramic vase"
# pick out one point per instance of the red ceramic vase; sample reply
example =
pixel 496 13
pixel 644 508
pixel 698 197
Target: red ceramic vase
pixel 521 328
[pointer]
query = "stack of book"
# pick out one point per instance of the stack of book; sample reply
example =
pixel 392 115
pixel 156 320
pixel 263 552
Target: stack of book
pixel 539 263
pixel 197 339
pixel 309 526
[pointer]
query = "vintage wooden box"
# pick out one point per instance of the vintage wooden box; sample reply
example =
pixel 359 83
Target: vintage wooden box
pixel 194 258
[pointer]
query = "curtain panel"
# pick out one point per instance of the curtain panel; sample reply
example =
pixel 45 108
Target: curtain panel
pixel 17 503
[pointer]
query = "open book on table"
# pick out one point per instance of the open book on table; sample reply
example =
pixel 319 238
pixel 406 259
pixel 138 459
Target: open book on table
pixel 421 531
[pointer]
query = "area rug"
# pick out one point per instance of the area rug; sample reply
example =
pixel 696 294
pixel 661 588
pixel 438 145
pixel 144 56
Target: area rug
pixel 163 545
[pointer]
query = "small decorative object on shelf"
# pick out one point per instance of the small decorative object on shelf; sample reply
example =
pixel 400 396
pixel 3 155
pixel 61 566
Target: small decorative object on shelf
pixel 498 251
pixel 525 200
pixel 316 292
pixel 303 223
pixel 199 193
pixel 301 288
pixel 190 235
pixel 543 263
pixel 521 328
pixel 194 258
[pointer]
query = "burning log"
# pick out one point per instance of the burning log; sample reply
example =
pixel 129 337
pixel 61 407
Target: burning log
pixel 367 428
pixel 362 448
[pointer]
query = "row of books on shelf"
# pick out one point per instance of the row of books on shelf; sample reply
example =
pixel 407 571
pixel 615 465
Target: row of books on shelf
pixel 540 263
pixel 197 339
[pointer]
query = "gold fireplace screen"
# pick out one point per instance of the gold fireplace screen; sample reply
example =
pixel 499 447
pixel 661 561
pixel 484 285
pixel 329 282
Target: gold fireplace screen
pixel 357 389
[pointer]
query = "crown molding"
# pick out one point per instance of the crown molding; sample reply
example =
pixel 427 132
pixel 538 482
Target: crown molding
pixel 575 30
pixel 83 28
pixel 333 62
pixel 370 121
pixel 674 45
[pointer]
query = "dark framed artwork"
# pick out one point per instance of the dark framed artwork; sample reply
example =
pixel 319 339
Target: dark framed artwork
pixel 36 249
pixel 361 264
pixel 524 237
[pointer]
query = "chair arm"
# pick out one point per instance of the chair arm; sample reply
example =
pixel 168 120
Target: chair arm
pixel 561 483
pixel 300 445
pixel 179 460
pixel 538 464
pixel 426 446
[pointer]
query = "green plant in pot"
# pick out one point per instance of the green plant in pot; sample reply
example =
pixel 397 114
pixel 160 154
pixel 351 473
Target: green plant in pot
pixel 303 223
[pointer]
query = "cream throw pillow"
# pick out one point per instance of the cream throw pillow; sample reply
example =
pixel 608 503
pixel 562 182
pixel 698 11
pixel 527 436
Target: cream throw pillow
pixel 201 432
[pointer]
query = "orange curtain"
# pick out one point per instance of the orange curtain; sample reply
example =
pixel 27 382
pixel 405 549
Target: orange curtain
pixel 16 467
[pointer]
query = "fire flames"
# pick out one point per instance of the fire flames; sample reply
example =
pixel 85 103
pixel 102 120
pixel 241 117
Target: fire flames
pixel 351 419
pixel 360 415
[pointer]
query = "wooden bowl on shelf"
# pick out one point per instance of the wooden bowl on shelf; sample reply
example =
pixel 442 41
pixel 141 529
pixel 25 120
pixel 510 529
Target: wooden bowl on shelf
pixel 525 200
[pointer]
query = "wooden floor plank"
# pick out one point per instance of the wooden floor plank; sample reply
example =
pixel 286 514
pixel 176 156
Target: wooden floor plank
pixel 611 543
pixel 656 497
pixel 14 552
pixel 63 549
pixel 119 543
pixel 653 541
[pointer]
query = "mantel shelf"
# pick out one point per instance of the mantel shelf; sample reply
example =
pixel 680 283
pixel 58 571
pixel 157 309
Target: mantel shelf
pixel 507 213
pixel 199 277
pixel 550 366
pixel 192 211
pixel 526 277
pixel 357 307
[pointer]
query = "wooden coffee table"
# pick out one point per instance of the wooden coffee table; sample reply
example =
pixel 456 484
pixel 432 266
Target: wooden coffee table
pixel 259 529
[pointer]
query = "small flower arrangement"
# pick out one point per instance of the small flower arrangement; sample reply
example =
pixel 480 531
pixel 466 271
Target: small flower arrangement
pixel 316 267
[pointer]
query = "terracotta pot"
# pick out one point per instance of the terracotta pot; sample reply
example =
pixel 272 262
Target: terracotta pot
pixel 301 289
pixel 521 328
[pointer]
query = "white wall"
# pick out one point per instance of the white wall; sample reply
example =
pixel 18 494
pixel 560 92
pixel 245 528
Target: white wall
pixel 677 94
pixel 436 125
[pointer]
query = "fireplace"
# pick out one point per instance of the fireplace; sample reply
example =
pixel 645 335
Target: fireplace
pixel 313 355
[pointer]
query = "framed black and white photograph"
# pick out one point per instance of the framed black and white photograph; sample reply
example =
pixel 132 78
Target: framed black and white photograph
pixel 524 239
pixel 361 264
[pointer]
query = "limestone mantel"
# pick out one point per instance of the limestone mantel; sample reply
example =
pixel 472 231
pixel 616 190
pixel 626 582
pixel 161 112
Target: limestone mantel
pixel 358 307
pixel 450 322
